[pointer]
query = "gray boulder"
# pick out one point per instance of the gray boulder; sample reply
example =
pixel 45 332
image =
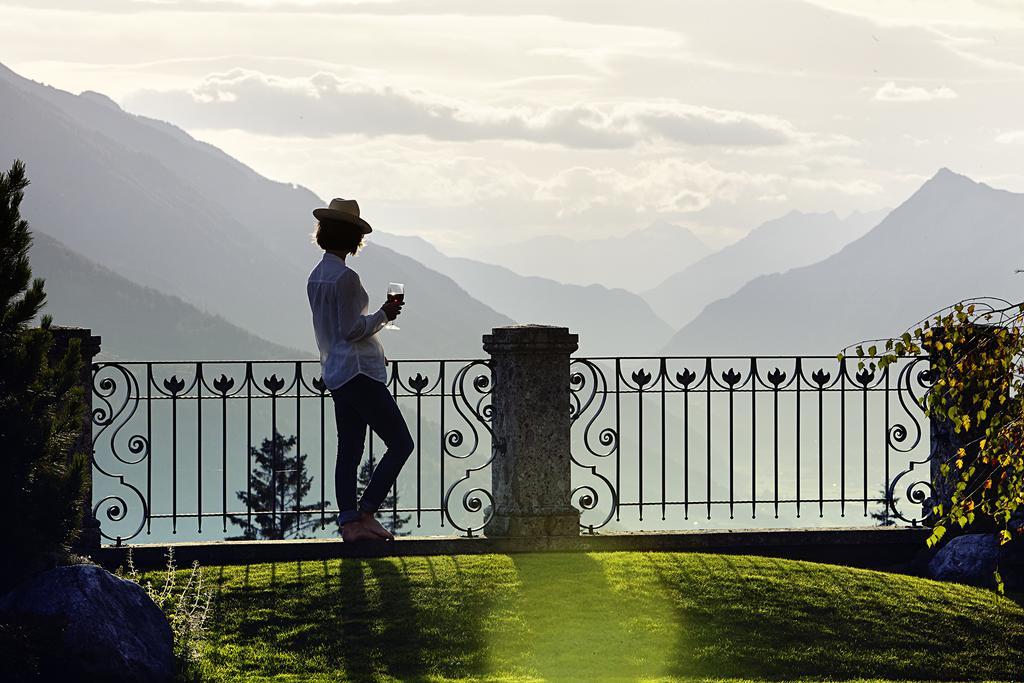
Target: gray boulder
pixel 973 558
pixel 112 630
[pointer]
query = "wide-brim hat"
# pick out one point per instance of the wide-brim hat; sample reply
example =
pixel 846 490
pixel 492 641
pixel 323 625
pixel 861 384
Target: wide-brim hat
pixel 343 210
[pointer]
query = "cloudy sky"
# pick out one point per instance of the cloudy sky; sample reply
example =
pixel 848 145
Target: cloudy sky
pixel 471 121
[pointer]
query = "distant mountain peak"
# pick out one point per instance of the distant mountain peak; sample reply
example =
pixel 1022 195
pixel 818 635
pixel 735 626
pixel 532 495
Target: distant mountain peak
pixel 795 239
pixel 945 175
pixel 100 98
pixel 946 186
pixel 794 219
pixel 797 213
pixel 660 226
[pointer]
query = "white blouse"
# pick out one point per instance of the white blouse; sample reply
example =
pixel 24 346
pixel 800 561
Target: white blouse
pixel 345 334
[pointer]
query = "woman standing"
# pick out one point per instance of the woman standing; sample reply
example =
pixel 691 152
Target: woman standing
pixel 354 369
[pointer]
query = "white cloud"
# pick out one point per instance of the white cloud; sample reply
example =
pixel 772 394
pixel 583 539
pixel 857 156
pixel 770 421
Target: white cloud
pixel 857 188
pixel 664 186
pixel 1011 137
pixel 198 5
pixel 325 104
pixel 675 187
pixel 978 13
pixel 890 92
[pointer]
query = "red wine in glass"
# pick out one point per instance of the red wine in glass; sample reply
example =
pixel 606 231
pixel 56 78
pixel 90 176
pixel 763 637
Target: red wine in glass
pixel 396 292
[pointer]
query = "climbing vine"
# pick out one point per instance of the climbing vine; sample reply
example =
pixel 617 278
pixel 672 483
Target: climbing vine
pixel 975 350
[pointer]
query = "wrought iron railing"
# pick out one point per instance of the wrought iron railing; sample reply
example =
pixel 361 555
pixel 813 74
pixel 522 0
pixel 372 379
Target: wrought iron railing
pixel 699 442
pixel 766 440
pixel 174 442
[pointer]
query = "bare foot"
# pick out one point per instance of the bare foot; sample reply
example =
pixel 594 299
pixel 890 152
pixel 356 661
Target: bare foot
pixel 371 523
pixel 356 531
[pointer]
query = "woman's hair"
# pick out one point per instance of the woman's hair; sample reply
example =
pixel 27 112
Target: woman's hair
pixel 338 236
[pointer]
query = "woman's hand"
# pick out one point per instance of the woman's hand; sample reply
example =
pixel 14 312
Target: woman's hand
pixel 392 309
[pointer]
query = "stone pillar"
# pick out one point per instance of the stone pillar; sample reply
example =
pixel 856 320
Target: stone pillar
pixel 89 539
pixel 530 472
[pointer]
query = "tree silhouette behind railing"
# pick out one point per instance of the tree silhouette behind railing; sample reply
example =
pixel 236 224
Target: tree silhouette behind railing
pixel 277 483
pixel 883 514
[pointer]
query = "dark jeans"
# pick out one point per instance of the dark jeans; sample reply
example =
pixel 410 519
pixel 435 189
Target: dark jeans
pixel 358 403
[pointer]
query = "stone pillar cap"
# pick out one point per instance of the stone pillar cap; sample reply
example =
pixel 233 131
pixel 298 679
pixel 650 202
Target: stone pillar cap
pixel 90 342
pixel 537 338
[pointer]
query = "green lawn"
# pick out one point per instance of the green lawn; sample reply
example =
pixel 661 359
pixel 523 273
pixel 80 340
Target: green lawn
pixel 602 616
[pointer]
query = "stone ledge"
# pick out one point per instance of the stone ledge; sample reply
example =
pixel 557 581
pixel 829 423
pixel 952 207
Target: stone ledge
pixel 870 547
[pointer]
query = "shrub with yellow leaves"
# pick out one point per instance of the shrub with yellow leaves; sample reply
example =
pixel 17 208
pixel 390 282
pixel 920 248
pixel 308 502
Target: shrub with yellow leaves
pixel 975 350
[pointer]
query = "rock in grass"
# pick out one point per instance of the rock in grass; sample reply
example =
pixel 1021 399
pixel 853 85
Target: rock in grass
pixel 111 629
pixel 973 558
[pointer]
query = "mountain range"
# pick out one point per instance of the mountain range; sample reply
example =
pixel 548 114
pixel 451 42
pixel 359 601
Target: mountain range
pixel 796 239
pixel 145 201
pixel 636 261
pixel 168 247
pixel 952 239
pixel 609 321
pixel 163 210
pixel 137 322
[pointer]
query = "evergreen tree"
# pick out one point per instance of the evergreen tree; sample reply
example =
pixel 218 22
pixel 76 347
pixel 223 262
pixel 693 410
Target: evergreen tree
pixel 883 515
pixel 41 409
pixel 392 521
pixel 277 482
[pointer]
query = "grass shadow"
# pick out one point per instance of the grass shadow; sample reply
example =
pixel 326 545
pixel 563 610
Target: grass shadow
pixel 354 619
pixel 779 620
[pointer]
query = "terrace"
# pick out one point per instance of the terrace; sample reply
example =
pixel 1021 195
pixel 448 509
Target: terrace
pixel 530 448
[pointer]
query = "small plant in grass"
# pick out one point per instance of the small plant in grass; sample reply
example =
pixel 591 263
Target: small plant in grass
pixel 186 608
pixel 976 354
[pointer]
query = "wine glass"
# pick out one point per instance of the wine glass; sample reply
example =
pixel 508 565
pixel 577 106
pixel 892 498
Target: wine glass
pixel 396 292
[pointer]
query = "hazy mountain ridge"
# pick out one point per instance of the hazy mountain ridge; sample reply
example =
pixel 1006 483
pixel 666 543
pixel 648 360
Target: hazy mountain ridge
pixel 254 202
pixel 263 208
pixel 916 261
pixel 145 200
pixel 632 329
pixel 635 261
pixel 794 240
pixel 137 322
